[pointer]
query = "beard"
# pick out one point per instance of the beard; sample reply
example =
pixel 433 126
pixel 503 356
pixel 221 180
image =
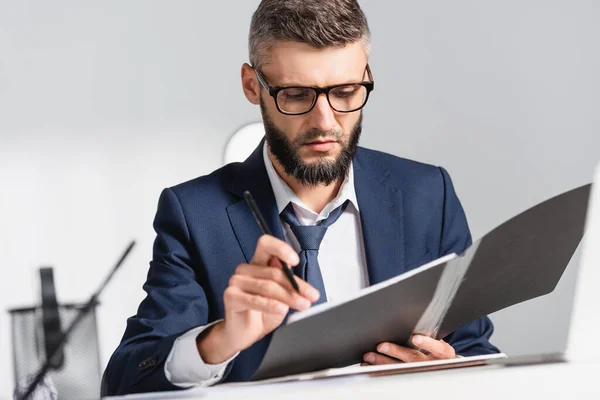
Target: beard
pixel 325 170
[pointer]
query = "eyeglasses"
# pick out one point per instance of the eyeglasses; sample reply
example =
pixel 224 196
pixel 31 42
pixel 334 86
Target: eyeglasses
pixel 298 100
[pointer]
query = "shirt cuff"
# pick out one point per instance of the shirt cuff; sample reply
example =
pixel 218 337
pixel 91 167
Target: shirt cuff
pixel 184 366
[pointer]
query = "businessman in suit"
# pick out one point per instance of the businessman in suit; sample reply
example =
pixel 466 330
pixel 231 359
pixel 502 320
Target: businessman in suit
pixel 343 216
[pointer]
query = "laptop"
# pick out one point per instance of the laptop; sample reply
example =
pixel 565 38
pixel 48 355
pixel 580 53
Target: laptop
pixel 585 319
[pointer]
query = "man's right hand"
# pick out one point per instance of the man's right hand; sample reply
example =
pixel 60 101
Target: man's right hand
pixel 257 300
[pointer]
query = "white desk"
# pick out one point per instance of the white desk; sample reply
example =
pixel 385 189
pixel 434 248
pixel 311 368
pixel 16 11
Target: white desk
pixel 544 381
pixel 550 381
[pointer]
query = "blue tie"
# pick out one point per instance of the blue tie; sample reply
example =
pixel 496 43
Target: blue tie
pixel 309 237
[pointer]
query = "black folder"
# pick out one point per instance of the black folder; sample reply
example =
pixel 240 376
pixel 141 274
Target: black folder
pixel 519 260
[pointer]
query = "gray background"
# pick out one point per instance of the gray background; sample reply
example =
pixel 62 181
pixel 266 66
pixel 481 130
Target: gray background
pixel 103 104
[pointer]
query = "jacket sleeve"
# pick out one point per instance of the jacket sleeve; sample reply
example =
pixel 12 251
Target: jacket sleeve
pixel 175 303
pixel 473 338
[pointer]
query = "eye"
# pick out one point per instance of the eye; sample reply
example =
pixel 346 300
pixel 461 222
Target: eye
pixel 296 94
pixel 344 92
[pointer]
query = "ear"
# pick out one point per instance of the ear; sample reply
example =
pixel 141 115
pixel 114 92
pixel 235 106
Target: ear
pixel 250 84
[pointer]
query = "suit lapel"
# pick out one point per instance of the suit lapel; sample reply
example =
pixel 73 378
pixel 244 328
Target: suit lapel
pixel 381 212
pixel 253 177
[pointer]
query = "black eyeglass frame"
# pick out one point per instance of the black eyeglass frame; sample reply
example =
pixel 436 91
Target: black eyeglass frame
pixel 274 91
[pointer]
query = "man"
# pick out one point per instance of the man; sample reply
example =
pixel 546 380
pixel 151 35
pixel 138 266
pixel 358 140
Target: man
pixel 215 288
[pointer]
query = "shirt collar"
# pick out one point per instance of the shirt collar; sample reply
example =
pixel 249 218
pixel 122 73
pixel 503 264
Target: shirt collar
pixel 284 194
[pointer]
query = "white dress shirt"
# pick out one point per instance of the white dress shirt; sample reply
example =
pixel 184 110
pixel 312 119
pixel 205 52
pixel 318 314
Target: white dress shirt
pixel 341 259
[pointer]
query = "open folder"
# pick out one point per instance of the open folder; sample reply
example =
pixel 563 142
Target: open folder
pixel 521 259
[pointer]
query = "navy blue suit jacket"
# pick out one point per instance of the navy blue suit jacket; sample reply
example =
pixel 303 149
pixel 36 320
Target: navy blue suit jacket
pixel 409 212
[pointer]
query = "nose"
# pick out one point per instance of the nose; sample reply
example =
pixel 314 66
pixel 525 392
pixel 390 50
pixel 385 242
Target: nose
pixel 322 115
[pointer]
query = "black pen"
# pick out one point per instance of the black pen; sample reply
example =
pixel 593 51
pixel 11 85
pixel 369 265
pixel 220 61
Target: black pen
pixel 266 231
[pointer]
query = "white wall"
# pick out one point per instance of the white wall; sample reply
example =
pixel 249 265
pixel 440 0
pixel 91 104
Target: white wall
pixel 104 104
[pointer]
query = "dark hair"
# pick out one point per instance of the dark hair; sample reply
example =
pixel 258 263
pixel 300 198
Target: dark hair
pixel 318 23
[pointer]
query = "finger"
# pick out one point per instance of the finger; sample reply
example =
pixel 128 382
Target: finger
pixel 378 359
pixel 401 353
pixel 437 348
pixel 277 275
pixel 269 246
pixel 269 289
pixel 305 288
pixel 240 301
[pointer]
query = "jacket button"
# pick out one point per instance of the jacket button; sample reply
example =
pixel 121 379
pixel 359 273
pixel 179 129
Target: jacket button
pixel 147 363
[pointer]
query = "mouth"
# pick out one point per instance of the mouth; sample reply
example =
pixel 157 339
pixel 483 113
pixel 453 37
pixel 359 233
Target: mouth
pixel 321 145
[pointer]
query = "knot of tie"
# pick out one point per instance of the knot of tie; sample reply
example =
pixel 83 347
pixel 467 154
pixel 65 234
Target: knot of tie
pixel 310 236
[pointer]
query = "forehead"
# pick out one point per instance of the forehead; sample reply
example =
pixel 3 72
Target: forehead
pixel 294 63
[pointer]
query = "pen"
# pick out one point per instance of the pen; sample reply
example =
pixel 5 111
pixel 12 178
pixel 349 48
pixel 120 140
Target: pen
pixel 266 231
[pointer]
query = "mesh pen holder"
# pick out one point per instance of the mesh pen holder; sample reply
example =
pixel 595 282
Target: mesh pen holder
pixel 79 376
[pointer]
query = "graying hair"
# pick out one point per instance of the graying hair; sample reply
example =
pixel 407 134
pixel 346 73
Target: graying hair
pixel 318 23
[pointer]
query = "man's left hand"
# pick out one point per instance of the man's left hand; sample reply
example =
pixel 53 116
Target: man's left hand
pixel 390 353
